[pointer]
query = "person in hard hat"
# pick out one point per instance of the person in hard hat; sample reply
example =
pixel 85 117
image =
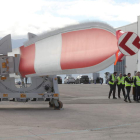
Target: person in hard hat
pixel 112 83
pixel 128 82
pixel 137 85
pixel 134 87
pixel 121 85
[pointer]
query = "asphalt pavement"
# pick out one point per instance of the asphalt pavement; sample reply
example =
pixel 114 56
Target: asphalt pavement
pixel 87 114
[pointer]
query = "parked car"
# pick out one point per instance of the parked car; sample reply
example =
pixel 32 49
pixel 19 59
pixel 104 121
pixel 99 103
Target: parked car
pixel 98 80
pixel 18 83
pixel 90 80
pixel 82 79
pixel 69 79
pixel 59 79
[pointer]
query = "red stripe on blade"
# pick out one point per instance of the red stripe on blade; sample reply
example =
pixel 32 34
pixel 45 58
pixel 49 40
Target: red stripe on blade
pixel 85 48
pixel 123 42
pixel 27 59
pixel 120 57
pixel 136 42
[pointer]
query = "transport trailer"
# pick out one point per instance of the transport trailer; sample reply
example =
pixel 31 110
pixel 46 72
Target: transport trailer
pixel 42 88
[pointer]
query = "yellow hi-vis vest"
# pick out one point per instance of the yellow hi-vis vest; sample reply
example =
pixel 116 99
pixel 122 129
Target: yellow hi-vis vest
pixel 113 79
pixel 137 80
pixel 120 80
pixel 133 80
pixel 126 83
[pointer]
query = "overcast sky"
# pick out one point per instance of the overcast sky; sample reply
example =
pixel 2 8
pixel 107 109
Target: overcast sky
pixel 37 16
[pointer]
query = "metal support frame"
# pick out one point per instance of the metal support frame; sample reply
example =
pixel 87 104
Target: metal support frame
pixel 36 90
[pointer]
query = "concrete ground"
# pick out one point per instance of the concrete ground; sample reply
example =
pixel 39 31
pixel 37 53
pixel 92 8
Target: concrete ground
pixel 88 114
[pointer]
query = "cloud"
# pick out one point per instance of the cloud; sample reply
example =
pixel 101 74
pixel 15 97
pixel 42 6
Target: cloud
pixel 102 9
pixel 18 17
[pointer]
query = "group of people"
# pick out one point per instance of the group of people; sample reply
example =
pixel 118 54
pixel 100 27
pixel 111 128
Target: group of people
pixel 125 82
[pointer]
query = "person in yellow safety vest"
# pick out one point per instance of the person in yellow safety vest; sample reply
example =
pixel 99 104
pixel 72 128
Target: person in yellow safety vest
pixel 128 82
pixel 124 75
pixel 121 85
pixel 112 84
pixel 134 87
pixel 124 78
pixel 137 85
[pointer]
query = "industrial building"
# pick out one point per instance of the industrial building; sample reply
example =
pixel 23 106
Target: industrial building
pixel 130 63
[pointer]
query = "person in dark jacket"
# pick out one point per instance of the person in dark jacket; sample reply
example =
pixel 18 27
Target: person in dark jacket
pixel 112 84
pixel 137 85
pixel 128 82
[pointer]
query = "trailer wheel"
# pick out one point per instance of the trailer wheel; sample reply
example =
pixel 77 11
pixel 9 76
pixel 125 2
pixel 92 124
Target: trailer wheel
pixel 60 104
pixel 58 107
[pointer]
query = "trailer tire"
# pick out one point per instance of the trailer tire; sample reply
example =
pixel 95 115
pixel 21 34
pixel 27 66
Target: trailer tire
pixel 59 107
pixel 60 104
